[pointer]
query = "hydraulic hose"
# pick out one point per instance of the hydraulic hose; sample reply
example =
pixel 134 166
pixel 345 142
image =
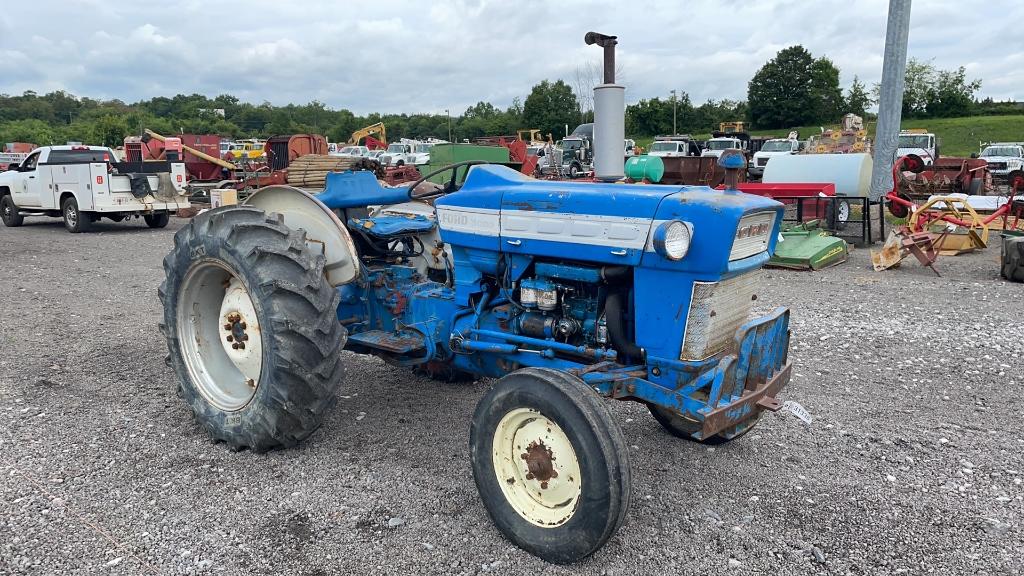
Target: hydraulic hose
pixel 614 311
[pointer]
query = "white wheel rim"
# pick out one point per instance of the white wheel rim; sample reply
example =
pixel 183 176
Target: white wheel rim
pixel 844 211
pixel 537 468
pixel 219 335
pixel 72 215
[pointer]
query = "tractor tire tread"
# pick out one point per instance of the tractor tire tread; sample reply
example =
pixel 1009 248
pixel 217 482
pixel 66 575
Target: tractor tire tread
pixel 304 369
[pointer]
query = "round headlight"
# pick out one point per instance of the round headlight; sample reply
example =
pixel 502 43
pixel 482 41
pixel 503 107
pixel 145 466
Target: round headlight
pixel 672 239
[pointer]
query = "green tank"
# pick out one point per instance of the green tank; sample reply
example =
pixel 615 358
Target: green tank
pixel 650 168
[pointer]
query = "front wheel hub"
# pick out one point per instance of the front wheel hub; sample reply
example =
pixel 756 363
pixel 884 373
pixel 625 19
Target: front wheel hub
pixel 537 467
pixel 241 342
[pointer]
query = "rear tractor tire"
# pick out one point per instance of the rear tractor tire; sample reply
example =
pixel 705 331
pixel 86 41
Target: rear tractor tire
pixel 680 426
pixel 251 327
pixel 9 213
pixel 550 463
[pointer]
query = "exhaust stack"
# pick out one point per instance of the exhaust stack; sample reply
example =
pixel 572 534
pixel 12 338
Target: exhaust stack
pixel 609 115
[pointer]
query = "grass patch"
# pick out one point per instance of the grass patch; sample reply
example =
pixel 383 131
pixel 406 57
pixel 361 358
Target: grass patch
pixel 957 136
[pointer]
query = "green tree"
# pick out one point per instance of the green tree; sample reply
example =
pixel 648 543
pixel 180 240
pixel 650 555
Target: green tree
pixel 793 89
pixel 826 96
pixel 550 106
pixel 780 92
pixel 932 93
pixel 951 94
pixel 857 98
pixel 109 130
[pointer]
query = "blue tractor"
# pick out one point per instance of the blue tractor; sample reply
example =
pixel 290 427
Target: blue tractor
pixel 566 292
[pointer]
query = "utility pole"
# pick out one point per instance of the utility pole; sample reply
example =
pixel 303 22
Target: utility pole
pixel 890 101
pixel 449 124
pixel 674 132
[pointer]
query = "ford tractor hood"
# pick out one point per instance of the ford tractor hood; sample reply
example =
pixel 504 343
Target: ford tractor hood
pixel 500 209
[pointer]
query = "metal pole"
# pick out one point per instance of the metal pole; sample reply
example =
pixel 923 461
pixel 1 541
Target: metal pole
pixel 674 132
pixel 449 124
pixel 890 101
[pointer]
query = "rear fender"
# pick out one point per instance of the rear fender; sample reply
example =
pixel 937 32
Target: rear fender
pixel 325 233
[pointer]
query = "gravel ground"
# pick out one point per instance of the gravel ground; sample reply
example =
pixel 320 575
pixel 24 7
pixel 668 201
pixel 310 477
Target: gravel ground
pixel 913 463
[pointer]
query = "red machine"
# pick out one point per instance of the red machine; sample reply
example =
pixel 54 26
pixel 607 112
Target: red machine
pixel 185 146
pixel 946 176
pixel 790 193
pixel 281 150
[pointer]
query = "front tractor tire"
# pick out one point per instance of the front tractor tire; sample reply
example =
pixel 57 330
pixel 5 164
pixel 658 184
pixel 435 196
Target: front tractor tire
pixel 251 326
pixel 550 463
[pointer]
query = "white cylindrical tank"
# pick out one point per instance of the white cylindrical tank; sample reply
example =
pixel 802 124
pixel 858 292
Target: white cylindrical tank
pixel 851 173
pixel 609 132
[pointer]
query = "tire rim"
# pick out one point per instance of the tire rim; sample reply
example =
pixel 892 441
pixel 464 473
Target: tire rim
pixel 219 335
pixel 7 211
pixel 72 215
pixel 844 211
pixel 537 468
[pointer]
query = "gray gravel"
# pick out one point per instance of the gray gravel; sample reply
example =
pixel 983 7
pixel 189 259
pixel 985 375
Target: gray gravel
pixel 913 464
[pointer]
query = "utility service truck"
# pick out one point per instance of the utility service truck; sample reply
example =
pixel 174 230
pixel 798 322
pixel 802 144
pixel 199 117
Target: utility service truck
pixel 83 184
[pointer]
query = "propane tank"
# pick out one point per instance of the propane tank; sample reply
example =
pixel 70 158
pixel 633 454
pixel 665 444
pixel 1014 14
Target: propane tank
pixel 650 168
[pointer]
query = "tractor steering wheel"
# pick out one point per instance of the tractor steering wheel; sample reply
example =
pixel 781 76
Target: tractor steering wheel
pixel 450 186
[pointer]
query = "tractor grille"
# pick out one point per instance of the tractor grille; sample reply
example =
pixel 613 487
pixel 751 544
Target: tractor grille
pixel 717 310
pixel 752 235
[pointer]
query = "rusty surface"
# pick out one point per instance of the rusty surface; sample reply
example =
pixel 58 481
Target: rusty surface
pixel 748 405
pixel 540 462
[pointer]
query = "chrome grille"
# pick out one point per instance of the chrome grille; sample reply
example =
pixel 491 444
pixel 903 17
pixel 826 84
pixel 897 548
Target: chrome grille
pixel 717 310
pixel 752 235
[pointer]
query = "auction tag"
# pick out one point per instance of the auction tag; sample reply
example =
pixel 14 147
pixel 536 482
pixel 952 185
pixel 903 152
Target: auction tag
pixel 798 411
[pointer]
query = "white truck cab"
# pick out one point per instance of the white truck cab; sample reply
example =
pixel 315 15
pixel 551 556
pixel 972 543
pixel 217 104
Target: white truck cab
pixel 920 142
pixel 85 183
pixel 397 154
pixel 1005 160
pixel 770 149
pixel 669 148
pixel 716 146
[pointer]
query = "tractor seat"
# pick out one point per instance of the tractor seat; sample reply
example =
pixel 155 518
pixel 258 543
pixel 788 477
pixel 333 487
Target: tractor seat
pixel 359 189
pixel 392 226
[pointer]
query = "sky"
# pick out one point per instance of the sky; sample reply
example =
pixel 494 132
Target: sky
pixel 428 56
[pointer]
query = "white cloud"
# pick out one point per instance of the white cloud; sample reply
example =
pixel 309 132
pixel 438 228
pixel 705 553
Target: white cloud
pixel 407 55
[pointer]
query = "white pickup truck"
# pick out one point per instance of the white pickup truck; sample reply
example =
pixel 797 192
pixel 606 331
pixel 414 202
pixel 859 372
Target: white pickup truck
pixel 1005 160
pixel 85 183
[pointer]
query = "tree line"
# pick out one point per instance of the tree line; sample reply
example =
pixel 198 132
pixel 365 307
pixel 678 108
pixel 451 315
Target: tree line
pixel 794 88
